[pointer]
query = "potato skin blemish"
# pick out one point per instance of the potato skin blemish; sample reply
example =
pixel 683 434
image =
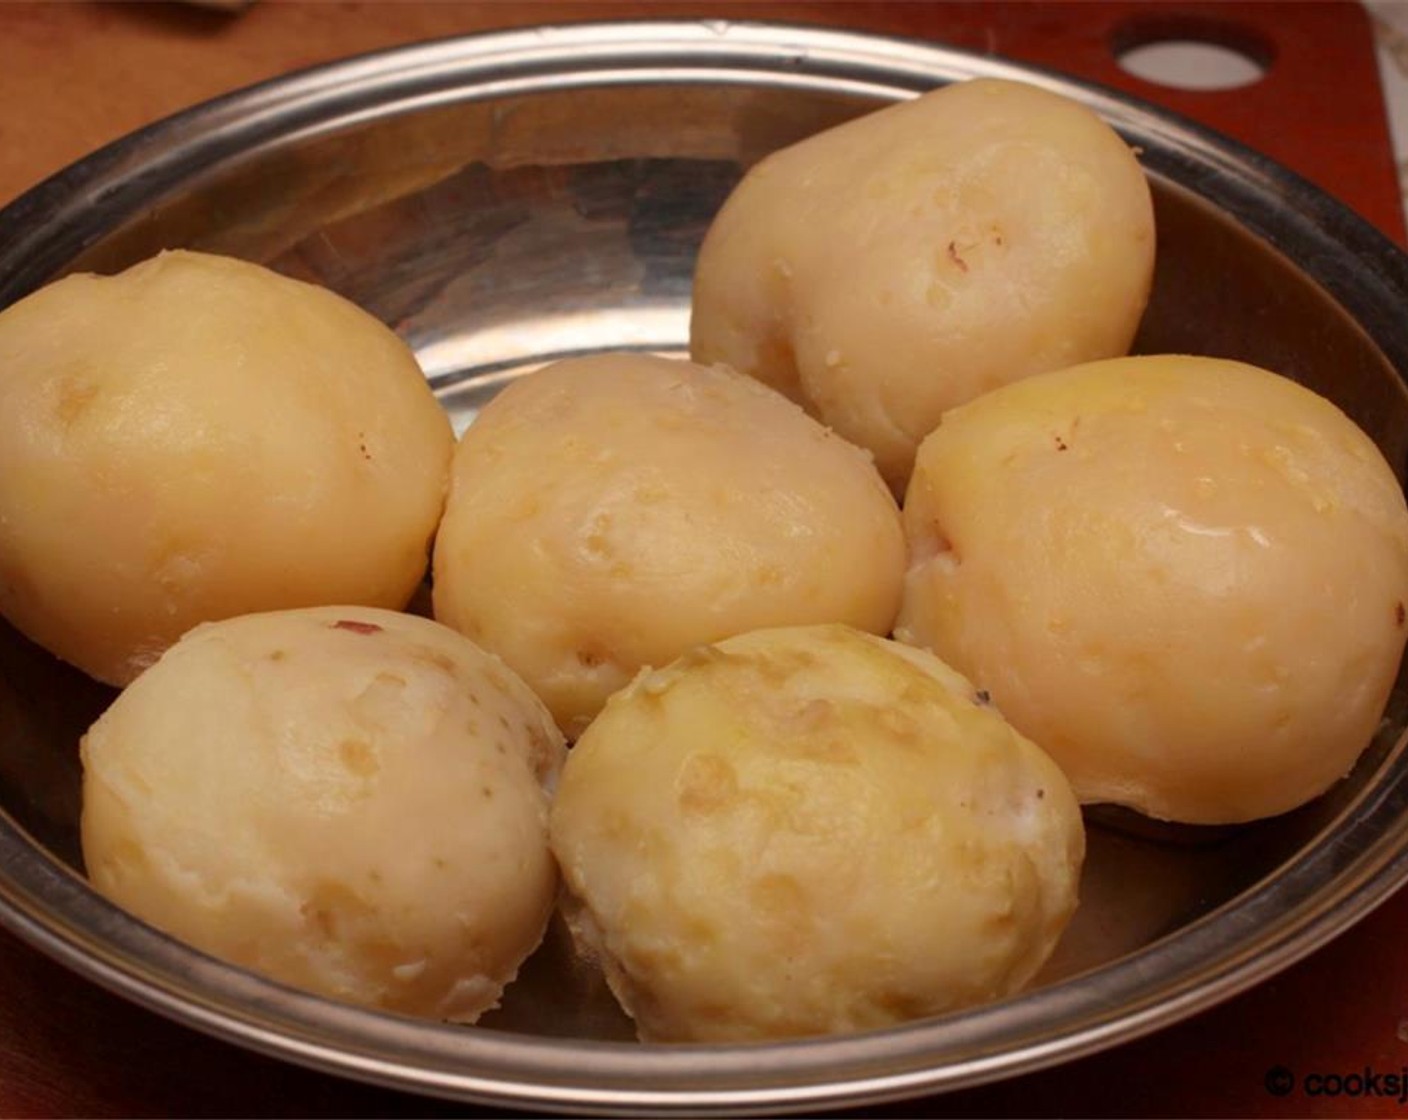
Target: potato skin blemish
pixel 356 627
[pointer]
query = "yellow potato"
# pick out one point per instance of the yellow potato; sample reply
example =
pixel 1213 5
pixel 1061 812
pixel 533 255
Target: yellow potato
pixel 610 512
pixel 1184 577
pixel 349 800
pixel 907 261
pixel 198 437
pixel 811 830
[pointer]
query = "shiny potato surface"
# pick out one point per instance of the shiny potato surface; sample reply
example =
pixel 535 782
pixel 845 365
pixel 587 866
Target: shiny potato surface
pixel 198 437
pixel 810 830
pixel 352 801
pixel 610 512
pixel 1184 577
pixel 906 261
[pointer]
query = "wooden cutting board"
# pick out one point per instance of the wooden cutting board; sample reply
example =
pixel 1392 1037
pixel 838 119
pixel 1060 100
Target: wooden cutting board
pixel 78 75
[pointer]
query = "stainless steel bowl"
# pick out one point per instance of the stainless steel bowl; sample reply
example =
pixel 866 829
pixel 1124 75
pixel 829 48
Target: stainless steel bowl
pixel 511 198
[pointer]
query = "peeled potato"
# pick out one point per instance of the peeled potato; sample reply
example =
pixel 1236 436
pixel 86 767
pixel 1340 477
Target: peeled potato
pixel 811 830
pixel 907 261
pixel 1184 577
pixel 196 438
pixel 349 800
pixel 610 512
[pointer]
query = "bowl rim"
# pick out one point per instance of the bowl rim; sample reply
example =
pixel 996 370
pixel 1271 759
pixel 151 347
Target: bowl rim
pixel 1354 863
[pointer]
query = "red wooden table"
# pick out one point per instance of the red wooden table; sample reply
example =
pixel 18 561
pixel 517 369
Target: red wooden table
pixel 77 75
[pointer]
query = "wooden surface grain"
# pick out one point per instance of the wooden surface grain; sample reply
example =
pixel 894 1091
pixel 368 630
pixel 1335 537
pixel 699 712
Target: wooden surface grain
pixel 78 75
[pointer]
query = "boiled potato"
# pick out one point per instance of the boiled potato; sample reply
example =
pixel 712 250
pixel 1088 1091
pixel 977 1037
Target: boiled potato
pixel 352 801
pixel 810 830
pixel 198 437
pixel 1184 577
pixel 907 261
pixel 610 512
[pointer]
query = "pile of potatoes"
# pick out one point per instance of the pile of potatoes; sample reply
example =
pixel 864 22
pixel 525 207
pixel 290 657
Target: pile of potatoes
pixel 845 618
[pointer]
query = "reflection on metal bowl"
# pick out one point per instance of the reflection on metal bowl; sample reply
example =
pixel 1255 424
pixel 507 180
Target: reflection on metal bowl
pixel 508 199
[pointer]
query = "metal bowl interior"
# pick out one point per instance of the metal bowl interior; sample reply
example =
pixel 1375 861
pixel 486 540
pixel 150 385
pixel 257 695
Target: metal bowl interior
pixel 508 199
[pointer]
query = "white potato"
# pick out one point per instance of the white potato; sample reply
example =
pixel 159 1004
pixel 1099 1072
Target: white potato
pixel 902 263
pixel 811 830
pixel 349 800
pixel 607 513
pixel 198 437
pixel 1184 577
